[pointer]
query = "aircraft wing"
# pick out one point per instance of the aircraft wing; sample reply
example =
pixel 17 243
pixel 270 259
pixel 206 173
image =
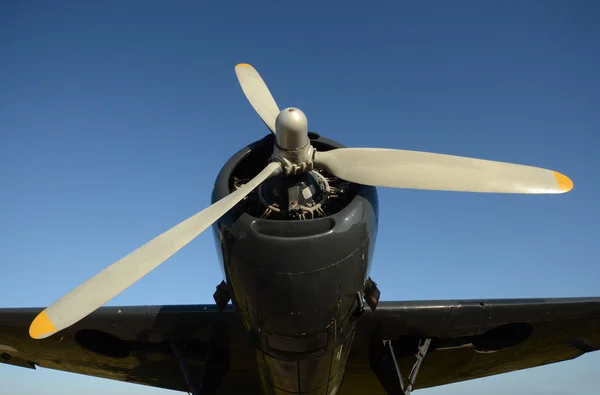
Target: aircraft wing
pixel 135 344
pixel 523 333
pixel 147 344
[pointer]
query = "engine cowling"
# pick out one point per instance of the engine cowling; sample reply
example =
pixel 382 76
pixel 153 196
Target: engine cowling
pixel 296 254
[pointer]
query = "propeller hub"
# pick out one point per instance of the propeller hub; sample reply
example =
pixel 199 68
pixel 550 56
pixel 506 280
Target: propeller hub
pixel 291 128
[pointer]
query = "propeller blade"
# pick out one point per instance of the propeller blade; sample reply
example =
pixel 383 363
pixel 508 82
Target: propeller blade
pixel 423 170
pixel 258 94
pixel 113 280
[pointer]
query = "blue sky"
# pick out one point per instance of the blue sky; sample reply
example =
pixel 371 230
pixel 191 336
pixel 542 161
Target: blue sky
pixel 115 118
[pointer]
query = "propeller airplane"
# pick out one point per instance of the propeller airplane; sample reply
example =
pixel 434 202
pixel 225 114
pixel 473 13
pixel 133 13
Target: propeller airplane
pixel 295 218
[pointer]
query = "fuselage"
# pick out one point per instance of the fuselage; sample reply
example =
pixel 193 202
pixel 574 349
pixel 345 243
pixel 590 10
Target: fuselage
pixel 297 285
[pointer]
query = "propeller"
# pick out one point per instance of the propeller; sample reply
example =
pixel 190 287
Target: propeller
pixel 258 94
pixel 113 280
pixel 424 170
pixel 292 154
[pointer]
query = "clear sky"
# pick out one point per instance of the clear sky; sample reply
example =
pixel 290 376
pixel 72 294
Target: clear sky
pixel 115 118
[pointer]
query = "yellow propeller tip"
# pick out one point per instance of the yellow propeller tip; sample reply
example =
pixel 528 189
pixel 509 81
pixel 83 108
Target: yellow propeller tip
pixel 41 326
pixel 564 183
pixel 243 65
